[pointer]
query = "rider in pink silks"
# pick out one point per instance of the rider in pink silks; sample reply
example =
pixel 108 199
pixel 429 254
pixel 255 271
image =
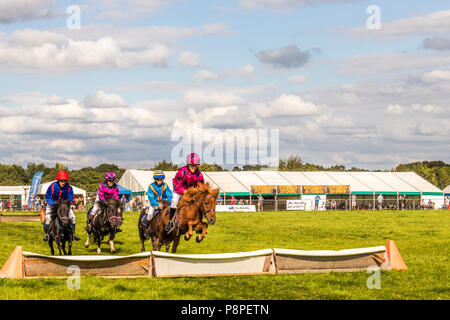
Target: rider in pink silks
pixel 186 177
pixel 108 190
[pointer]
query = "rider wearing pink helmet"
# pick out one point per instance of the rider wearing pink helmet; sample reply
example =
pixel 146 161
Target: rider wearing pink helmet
pixel 186 177
pixel 108 190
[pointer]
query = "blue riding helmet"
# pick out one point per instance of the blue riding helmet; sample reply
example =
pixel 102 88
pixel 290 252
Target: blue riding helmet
pixel 159 174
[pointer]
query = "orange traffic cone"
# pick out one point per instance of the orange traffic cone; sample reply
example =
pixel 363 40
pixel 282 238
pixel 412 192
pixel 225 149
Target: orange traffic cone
pixel 13 267
pixel 395 258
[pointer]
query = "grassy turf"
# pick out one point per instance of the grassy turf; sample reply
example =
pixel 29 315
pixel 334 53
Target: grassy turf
pixel 421 236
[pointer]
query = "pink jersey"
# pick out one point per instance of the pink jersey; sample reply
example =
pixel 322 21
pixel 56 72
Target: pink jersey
pixel 105 192
pixel 185 179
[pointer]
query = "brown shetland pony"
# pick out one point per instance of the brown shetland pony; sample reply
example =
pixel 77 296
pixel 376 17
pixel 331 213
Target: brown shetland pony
pixel 196 204
pixel 154 229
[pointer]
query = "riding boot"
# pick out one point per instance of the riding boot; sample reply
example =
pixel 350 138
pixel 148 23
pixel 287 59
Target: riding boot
pixel 170 225
pixel 74 236
pixel 46 228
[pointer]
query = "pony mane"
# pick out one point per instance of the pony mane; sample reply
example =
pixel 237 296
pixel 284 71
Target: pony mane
pixel 202 189
pixel 113 202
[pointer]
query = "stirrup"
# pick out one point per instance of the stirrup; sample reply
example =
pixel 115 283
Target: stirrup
pixel 170 226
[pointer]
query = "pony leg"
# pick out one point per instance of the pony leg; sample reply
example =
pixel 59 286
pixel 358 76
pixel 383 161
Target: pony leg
pixel 141 237
pixel 59 246
pixel 111 244
pixel 86 244
pixel 200 237
pixel 50 243
pixel 70 247
pixel 175 243
pixel 63 246
pixel 188 235
pixel 99 242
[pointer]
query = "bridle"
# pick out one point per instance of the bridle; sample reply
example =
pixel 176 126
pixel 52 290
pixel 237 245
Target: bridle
pixel 202 209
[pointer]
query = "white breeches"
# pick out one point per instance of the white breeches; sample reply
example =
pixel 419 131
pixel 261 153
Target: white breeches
pixel 175 199
pixel 48 215
pixel 151 212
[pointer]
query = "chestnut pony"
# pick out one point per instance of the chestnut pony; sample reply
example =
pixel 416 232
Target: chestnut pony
pixel 196 204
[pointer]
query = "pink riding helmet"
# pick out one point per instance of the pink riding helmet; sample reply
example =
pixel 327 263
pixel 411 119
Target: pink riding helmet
pixel 110 176
pixel 193 158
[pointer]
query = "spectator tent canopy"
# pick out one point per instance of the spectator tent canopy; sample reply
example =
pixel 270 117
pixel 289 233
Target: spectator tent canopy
pixel 240 182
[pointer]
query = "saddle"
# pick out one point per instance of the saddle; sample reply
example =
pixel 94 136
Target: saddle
pixel 144 216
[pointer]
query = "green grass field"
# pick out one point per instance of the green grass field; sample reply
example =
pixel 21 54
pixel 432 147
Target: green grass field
pixel 421 236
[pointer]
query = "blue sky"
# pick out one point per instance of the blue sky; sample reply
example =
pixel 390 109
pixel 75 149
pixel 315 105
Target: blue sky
pixel 344 94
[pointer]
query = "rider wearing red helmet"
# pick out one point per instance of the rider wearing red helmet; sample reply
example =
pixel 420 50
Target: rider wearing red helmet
pixel 58 191
pixel 108 190
pixel 186 177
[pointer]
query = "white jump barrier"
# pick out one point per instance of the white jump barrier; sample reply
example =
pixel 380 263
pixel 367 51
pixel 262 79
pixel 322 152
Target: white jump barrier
pixel 22 265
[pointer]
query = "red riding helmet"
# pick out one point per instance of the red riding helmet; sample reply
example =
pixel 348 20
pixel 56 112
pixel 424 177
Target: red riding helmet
pixel 193 158
pixel 62 175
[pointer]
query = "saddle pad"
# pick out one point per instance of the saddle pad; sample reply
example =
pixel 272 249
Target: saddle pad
pixel 144 219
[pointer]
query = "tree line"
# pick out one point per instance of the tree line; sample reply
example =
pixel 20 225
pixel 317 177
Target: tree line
pixel 89 178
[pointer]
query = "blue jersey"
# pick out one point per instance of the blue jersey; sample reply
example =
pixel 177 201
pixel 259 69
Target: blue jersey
pixel 55 193
pixel 156 194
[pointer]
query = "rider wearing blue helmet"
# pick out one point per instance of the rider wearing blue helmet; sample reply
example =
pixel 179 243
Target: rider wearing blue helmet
pixel 158 191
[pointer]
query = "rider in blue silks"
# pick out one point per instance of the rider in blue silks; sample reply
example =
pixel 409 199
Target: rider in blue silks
pixel 158 191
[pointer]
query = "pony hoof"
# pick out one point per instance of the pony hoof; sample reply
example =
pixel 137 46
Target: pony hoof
pixel 99 251
pixel 86 245
pixel 198 238
pixel 186 237
pixel 113 251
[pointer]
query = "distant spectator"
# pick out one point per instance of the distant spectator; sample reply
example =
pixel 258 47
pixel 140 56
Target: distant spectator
pixel 260 202
pixel 353 201
pixel 403 201
pixel 430 204
pixel 380 201
pixel 1 206
pixel 240 202
pixel 123 200
pixel 446 203
pixel 233 200
pixel 219 200
pixel 316 202
pixel 333 205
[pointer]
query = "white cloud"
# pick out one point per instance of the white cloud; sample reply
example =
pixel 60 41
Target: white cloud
pixel 22 10
pixel 285 4
pixel 97 46
pixel 391 62
pixel 298 78
pixel 189 58
pixel 73 55
pixel 205 75
pixel 208 98
pixel 394 109
pixel 119 9
pixel 433 23
pixel 426 108
pixel 435 76
pixel 104 100
pixel 285 105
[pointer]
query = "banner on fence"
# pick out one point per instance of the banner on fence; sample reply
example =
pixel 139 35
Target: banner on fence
pixel 237 208
pixel 34 187
pixel 295 205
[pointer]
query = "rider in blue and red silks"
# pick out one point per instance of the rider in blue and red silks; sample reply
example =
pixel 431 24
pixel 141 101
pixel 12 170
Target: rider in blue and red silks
pixel 60 190
pixel 186 177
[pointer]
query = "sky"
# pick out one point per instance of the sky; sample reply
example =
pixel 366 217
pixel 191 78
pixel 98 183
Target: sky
pixel 342 83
